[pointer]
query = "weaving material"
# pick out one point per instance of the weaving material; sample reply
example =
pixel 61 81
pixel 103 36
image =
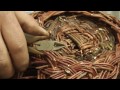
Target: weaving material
pixel 91 49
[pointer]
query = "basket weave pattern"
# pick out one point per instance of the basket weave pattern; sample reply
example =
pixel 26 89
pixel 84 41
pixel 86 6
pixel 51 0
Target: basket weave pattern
pixel 92 46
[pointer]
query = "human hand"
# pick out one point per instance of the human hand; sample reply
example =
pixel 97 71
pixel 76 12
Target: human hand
pixel 13 47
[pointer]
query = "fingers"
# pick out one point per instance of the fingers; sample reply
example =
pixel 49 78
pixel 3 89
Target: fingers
pixel 6 68
pixel 29 25
pixel 15 41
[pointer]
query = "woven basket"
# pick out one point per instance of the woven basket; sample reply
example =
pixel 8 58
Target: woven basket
pixel 92 44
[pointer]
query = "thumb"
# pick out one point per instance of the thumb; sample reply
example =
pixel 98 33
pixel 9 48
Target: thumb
pixel 29 25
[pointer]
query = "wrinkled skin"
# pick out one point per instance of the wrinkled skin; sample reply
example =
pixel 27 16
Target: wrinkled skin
pixel 14 55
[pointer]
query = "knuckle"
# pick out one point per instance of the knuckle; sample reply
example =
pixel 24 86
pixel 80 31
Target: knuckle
pixel 21 59
pixel 19 47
